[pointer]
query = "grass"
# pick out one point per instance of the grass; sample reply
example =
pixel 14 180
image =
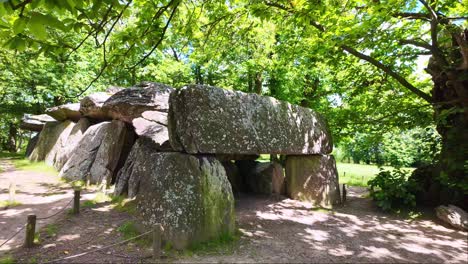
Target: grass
pixel 7 260
pixel 122 204
pixel 359 174
pixel 22 163
pixel 129 230
pixel 9 204
pixel 51 230
pixel 224 244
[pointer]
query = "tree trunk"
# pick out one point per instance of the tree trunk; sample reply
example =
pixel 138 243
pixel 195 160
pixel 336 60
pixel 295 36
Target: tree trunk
pixel 450 99
pixel 258 83
pixel 12 136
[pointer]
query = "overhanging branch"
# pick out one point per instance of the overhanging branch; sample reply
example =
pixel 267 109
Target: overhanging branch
pixel 389 71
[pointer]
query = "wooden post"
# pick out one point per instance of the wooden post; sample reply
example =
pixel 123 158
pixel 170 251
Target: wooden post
pixel 76 202
pixel 344 194
pixel 30 231
pixel 157 232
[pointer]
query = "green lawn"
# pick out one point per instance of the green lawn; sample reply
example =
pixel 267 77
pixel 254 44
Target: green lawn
pixel 359 174
pixel 22 163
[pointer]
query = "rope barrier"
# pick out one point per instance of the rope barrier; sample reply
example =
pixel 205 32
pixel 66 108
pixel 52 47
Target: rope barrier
pixel 39 218
pixel 17 232
pixel 50 216
pixel 99 249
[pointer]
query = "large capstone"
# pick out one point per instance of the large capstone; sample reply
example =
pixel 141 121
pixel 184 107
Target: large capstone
pixel 139 160
pixel 189 196
pixel 91 106
pixel 65 112
pixel 97 155
pixel 52 140
pixel 205 119
pixel 130 103
pixel 34 122
pixel 76 134
pixel 313 178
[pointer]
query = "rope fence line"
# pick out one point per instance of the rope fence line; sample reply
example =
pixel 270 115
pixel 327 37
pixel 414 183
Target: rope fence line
pixel 38 218
pixel 61 210
pixel 16 233
pixel 98 249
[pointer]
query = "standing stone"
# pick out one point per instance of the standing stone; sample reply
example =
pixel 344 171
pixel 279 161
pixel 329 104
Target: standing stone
pixel 141 156
pixel 313 178
pixel 189 196
pixel 31 145
pixel 104 168
pixel 51 140
pixel 266 178
pixel 130 103
pixel 78 165
pixel 34 122
pixel 65 112
pixel 91 106
pixel 71 143
pixel 205 119
pixel 97 154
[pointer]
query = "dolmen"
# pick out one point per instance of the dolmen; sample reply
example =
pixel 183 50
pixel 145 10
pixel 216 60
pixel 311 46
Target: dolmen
pixel 184 153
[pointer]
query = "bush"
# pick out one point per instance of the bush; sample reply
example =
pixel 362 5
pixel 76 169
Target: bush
pixel 392 190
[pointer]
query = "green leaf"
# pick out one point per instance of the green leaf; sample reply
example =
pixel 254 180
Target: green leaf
pixel 19 25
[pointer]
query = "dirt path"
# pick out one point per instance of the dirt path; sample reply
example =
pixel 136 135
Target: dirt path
pixel 273 230
pixel 38 193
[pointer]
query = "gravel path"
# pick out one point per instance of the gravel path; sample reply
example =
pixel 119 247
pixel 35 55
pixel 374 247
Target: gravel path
pixel 274 229
pixel 39 193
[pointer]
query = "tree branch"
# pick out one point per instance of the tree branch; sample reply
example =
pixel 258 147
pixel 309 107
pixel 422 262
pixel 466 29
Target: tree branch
pixel 416 43
pixel 163 33
pixel 410 15
pixel 389 71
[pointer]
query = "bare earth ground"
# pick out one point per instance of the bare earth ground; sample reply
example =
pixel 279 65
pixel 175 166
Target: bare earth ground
pixel 273 230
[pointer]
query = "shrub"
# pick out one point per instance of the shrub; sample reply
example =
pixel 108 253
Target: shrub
pixel 392 190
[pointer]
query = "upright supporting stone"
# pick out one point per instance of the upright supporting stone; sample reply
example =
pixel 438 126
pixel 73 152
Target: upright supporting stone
pixel 313 178
pixel 190 196
pixel 76 202
pixel 157 232
pixel 30 231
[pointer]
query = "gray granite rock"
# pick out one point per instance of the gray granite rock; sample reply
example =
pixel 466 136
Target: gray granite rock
pixel 189 196
pixel 51 141
pixel 65 112
pixel 82 158
pixel 130 103
pixel 34 122
pixel 313 178
pixel 205 119
pixel 91 106
pixel 453 215
pixel 128 178
pixel 76 134
pixel 31 145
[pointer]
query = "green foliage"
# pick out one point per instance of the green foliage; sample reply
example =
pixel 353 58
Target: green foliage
pixel 51 230
pixel 123 204
pixel 7 259
pixel 359 174
pixel 129 230
pixel 392 190
pixel 9 204
pixel 223 244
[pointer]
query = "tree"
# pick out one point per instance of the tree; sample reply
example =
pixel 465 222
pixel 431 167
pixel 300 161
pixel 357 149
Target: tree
pixel 349 59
